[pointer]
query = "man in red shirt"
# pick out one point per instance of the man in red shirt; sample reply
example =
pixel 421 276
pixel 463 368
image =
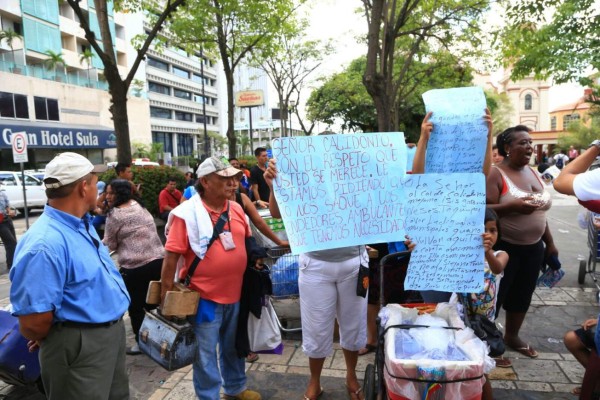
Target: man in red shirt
pixel 217 278
pixel 168 199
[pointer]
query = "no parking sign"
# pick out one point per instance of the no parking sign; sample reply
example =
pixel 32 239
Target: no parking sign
pixel 19 147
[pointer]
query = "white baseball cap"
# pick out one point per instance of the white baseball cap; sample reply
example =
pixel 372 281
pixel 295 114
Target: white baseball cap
pixel 68 167
pixel 219 166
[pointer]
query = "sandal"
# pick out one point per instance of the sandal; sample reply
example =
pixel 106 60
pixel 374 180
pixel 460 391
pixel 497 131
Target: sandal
pixel 314 397
pixel 369 348
pixel 527 351
pixel 502 362
pixel 576 391
pixel 251 357
pixel 354 394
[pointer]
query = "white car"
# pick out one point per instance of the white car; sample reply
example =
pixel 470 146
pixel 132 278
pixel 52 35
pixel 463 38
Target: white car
pixel 10 183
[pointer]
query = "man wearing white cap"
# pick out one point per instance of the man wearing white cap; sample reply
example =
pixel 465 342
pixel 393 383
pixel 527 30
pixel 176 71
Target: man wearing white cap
pixel 67 293
pixel 209 231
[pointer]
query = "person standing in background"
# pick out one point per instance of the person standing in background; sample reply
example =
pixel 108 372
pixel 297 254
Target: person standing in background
pixel 573 153
pixel 7 229
pixel 260 189
pixel 168 198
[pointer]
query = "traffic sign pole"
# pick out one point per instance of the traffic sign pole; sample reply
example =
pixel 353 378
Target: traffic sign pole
pixel 25 210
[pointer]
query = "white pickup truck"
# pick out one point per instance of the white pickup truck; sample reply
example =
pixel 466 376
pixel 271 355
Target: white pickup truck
pixel 10 183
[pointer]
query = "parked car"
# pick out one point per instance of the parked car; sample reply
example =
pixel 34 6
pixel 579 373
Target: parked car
pixel 36 173
pixel 10 183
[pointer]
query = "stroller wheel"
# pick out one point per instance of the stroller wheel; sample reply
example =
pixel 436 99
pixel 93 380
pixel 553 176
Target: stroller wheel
pixel 369 383
pixel 582 272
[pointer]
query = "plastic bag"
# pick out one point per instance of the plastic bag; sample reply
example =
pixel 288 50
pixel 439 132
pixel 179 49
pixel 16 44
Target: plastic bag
pixel 263 333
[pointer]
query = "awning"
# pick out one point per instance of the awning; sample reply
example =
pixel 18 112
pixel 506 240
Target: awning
pixel 45 135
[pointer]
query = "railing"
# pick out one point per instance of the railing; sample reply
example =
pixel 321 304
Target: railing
pixel 37 71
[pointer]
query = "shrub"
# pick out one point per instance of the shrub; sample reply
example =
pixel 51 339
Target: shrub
pixel 153 180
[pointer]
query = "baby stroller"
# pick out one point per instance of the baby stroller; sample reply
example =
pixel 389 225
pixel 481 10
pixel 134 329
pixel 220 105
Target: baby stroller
pixel 390 378
pixel 589 268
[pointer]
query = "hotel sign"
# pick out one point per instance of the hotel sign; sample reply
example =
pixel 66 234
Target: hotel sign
pixel 249 98
pixel 39 137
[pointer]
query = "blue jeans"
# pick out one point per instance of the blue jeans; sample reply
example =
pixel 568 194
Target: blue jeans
pixel 221 331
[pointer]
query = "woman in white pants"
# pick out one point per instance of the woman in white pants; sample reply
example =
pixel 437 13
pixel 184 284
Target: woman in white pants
pixel 327 282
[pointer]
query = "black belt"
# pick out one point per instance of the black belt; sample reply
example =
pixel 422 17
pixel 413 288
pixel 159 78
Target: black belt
pixel 85 325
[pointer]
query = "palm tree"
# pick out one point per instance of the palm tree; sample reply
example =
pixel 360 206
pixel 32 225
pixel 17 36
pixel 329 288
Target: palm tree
pixel 53 60
pixel 86 57
pixel 9 37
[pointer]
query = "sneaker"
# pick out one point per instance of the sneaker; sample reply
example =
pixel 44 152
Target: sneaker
pixel 133 350
pixel 245 395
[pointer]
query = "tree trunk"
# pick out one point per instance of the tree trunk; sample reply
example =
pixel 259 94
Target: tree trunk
pixel 118 109
pixel 232 140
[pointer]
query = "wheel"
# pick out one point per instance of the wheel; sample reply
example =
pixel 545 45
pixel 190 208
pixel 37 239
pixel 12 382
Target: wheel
pixel 582 272
pixel 369 383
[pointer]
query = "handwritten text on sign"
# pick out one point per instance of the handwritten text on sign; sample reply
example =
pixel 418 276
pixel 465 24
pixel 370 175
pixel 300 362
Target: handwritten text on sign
pixel 444 216
pixel 340 190
pixel 459 137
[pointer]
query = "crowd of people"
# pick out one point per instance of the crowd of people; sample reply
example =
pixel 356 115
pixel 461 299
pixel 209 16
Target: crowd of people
pixel 70 299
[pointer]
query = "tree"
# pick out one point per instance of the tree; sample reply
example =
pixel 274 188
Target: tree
pixel 53 60
pixel 289 66
pixel 562 44
pixel 9 36
pixel 345 98
pixel 234 29
pixel 86 58
pixel 414 24
pixel 117 85
pixel 501 109
pixel 579 135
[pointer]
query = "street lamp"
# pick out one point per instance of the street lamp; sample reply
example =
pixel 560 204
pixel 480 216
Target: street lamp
pixel 290 108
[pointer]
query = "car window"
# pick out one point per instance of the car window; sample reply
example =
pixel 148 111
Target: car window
pixel 31 181
pixel 8 180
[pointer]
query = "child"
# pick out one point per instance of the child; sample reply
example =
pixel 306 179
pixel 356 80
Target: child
pixel 580 343
pixel 484 303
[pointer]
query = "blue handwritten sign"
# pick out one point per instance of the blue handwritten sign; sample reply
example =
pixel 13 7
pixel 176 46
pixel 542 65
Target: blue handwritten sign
pixel 340 190
pixel 444 217
pixel 459 137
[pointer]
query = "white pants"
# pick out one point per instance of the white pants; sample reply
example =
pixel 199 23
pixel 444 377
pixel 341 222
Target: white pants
pixel 327 292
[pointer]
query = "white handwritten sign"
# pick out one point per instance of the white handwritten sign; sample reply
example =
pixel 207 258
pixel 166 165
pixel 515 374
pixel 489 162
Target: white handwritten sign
pixel 459 137
pixel 340 190
pixel 444 217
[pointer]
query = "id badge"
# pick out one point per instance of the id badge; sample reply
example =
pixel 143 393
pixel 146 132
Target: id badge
pixel 227 240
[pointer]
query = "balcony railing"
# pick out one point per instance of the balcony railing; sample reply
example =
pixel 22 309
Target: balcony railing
pixel 58 75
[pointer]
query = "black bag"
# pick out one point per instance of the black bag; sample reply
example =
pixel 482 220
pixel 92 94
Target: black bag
pixel 484 329
pixel 172 344
pixel 362 283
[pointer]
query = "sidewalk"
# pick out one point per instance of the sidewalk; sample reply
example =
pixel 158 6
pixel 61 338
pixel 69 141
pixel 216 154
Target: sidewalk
pixel 551 376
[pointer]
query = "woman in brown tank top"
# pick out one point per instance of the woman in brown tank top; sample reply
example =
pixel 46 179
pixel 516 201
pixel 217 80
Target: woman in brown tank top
pixel 517 194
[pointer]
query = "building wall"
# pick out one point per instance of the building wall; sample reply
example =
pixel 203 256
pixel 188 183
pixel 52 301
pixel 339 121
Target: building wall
pixel 536 117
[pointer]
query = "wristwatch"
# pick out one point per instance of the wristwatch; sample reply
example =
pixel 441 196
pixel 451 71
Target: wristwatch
pixel 595 143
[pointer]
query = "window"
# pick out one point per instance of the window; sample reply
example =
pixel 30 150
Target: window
pixel 198 99
pixel 165 138
pixel 181 72
pixel 158 88
pixel 568 119
pixel 182 94
pixel 183 116
pixel 157 112
pixel 8 180
pixel 553 123
pixel 200 118
pixel 198 78
pixel 528 102
pixel 46 109
pixel 13 105
pixel 18 28
pixel 153 62
pixel 185 144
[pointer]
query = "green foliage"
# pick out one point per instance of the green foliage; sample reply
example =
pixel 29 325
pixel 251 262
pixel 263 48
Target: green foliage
pixel 579 135
pixel 54 59
pixel 501 109
pixel 343 96
pixel 152 181
pixel 232 29
pixel 405 32
pixel 562 44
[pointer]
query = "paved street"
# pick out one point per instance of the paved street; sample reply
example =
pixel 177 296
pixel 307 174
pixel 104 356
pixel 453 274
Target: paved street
pixel 552 376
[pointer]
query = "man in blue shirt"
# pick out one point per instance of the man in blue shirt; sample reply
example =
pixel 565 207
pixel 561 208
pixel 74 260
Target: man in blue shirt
pixel 67 293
